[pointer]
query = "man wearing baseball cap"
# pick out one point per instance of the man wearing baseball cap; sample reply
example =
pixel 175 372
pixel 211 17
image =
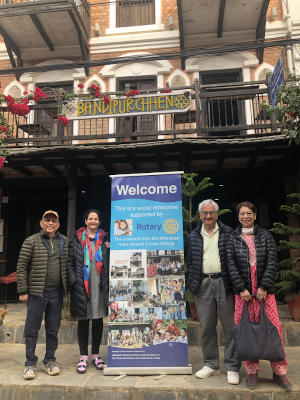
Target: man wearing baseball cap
pixel 42 281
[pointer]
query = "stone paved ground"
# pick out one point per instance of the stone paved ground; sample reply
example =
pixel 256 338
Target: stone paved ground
pixel 95 386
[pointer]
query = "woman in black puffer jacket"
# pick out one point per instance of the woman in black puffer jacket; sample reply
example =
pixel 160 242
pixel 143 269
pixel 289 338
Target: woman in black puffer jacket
pixel 88 270
pixel 252 263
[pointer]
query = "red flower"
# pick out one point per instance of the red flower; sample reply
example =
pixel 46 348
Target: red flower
pixel 39 94
pixel 2 161
pixel 132 92
pixel 3 128
pixel 25 93
pixel 80 85
pixel 20 109
pixel 95 90
pixel 9 99
pixel 292 114
pixel 63 120
pixel 166 91
pixel 106 99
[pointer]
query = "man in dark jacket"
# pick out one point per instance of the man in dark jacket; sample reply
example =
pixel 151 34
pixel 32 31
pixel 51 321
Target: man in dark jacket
pixel 208 280
pixel 42 281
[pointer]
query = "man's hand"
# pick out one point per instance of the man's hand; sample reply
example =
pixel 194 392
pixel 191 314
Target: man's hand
pixel 24 298
pixel 245 295
pixel 261 294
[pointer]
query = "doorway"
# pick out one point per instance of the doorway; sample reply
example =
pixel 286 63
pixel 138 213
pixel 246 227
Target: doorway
pixel 128 125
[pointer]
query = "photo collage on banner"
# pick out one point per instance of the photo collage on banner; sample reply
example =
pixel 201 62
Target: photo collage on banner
pixel 147 310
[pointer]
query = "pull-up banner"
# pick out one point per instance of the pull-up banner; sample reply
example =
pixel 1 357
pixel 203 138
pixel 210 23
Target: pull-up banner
pixel 147 312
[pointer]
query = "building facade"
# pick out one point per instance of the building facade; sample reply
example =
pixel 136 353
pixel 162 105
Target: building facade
pixel 209 50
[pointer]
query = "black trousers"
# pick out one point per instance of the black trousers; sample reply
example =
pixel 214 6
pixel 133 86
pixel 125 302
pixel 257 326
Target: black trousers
pixel 49 304
pixel 83 335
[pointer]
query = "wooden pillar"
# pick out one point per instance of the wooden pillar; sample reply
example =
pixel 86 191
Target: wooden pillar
pixel 198 106
pixel 72 199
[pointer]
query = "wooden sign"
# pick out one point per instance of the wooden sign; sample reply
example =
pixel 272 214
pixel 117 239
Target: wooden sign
pixel 124 106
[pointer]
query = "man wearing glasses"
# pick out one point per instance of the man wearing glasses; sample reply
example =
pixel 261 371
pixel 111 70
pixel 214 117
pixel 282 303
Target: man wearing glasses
pixel 42 281
pixel 208 280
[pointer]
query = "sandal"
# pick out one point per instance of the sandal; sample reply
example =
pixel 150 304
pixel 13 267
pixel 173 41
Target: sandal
pixel 82 365
pixel 98 362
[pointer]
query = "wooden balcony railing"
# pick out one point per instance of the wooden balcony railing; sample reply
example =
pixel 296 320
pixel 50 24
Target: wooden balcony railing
pixel 222 110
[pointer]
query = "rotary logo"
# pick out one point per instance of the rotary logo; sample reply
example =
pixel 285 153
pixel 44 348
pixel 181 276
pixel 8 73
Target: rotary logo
pixel 69 109
pixel 182 102
pixel 171 226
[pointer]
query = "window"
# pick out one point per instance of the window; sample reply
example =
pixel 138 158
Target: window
pixel 135 12
pixel 222 112
pixel 144 123
pixel 45 116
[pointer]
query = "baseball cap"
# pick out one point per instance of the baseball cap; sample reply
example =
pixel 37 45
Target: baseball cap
pixel 50 212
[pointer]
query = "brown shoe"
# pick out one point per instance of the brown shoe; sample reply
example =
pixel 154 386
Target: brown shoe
pixel 251 381
pixel 282 381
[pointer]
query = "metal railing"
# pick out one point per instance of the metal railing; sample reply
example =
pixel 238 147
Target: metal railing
pixel 216 110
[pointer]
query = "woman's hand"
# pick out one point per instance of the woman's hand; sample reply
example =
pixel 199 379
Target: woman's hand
pixel 261 294
pixel 245 295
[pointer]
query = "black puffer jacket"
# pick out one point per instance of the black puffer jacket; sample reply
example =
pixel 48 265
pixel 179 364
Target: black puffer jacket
pixel 195 257
pixel 79 298
pixel 238 260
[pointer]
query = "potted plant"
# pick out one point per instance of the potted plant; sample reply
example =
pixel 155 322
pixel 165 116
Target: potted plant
pixel 190 189
pixel 288 275
pixel 287 108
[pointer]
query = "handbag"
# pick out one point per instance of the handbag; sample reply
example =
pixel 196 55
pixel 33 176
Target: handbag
pixel 257 341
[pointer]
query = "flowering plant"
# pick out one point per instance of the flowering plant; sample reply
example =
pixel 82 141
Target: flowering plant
pixel 287 108
pixel 17 107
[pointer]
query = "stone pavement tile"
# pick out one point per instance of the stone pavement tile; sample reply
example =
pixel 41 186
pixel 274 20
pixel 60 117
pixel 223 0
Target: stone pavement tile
pixel 170 381
pixel 97 379
pixel 95 386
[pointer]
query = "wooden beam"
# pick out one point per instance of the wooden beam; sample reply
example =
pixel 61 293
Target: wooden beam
pixel 221 18
pixel 71 170
pixel 181 31
pixel 42 31
pixel 12 45
pixel 84 169
pixel 261 29
pixel 83 48
pixel 221 158
pixel 22 170
pixel 54 171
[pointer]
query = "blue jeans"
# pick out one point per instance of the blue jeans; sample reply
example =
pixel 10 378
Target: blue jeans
pixel 50 304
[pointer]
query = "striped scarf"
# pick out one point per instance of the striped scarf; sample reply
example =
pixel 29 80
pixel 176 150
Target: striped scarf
pixel 87 255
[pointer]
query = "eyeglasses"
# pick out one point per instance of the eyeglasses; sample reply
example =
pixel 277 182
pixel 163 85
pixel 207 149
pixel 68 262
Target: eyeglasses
pixel 205 213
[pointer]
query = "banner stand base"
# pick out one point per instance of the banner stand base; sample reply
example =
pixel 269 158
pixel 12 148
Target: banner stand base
pixel 147 370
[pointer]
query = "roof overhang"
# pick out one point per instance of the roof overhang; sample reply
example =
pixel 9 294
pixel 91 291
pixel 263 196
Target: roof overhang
pixel 195 154
pixel 219 22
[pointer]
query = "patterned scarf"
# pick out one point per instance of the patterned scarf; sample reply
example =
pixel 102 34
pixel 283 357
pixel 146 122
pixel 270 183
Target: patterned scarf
pixel 83 237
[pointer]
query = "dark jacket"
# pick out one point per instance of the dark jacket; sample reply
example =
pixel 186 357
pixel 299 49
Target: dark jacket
pixel 33 262
pixel 79 298
pixel 238 260
pixel 195 257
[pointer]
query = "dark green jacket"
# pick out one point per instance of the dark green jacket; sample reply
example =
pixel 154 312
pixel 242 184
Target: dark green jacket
pixel 33 261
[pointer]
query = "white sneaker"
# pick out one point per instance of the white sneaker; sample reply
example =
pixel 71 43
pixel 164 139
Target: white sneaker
pixel 29 372
pixel 206 372
pixel 233 377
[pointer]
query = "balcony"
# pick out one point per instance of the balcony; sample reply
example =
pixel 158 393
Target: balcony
pixel 37 30
pixel 215 110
